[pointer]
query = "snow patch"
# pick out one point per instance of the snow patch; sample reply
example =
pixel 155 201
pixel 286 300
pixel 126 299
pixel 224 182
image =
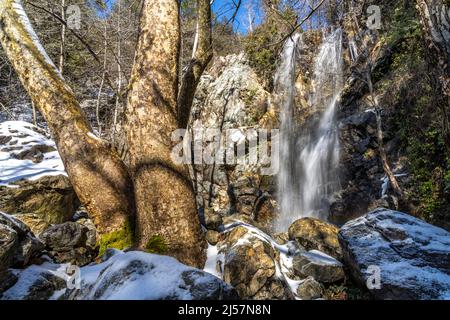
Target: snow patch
pixel 25 136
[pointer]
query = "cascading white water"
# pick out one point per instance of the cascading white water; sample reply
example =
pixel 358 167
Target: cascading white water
pixel 309 156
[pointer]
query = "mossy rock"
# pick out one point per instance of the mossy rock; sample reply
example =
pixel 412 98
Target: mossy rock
pixel 51 198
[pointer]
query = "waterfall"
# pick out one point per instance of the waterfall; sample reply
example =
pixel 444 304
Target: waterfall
pixel 309 155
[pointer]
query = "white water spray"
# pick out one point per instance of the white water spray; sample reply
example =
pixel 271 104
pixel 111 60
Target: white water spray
pixel 309 156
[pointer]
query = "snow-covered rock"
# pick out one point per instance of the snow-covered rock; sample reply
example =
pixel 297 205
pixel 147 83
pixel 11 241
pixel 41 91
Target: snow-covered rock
pixel 144 276
pixel 411 256
pixel 318 265
pixel 33 183
pixel 26 152
pixel 121 275
pixel 253 263
pixel 37 282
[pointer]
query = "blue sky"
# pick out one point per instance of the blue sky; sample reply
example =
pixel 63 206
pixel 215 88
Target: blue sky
pixel 224 9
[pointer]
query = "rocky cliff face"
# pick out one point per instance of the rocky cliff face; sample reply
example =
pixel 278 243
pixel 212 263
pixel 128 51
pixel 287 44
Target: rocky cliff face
pixel 231 97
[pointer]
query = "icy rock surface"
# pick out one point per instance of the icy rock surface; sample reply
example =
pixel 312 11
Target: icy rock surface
pixel 142 276
pixel 413 257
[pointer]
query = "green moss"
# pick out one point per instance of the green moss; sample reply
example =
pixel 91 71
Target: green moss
pixel 119 239
pixel 156 244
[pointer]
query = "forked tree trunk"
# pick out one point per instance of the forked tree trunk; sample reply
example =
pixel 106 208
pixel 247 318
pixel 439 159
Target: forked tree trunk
pixel 98 176
pixel 167 218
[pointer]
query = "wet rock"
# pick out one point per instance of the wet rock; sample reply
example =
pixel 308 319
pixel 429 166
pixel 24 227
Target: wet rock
pixel 411 256
pixel 231 96
pixel 314 234
pixel 213 220
pixel 7 280
pixel 281 238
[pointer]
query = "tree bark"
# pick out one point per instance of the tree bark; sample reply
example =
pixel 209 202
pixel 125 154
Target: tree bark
pixel 435 20
pixel 63 37
pixel 98 176
pixel 165 200
pixel 202 55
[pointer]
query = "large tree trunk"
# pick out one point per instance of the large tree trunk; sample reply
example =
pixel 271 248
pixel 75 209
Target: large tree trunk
pixel 98 176
pixel 435 21
pixel 167 219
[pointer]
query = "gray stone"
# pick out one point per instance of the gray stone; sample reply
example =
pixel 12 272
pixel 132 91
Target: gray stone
pixel 69 242
pixel 318 265
pixel 18 245
pixel 412 256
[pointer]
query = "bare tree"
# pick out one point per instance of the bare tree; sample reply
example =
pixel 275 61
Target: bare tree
pixel 163 194
pixel 98 176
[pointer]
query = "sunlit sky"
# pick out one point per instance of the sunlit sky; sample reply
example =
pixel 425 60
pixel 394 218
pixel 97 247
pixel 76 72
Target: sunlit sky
pixel 224 10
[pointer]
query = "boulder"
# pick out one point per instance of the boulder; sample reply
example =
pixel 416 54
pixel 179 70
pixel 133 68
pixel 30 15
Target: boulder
pixel 310 289
pixel 411 257
pixel 36 222
pixel 212 237
pixel 213 220
pixel 314 234
pixel 50 198
pixel 8 247
pixel 18 245
pixel 281 238
pixel 250 265
pixel 68 242
pixel 144 276
pixel 37 282
pixel 91 235
pixel 318 265
pixel 7 280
